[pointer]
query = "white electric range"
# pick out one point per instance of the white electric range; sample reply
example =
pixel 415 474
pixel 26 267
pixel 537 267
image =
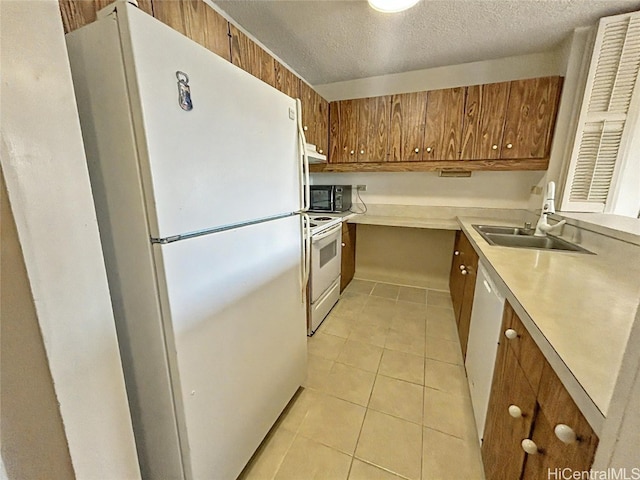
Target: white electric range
pixel 326 257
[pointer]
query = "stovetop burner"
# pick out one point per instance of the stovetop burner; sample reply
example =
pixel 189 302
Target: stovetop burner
pixel 321 219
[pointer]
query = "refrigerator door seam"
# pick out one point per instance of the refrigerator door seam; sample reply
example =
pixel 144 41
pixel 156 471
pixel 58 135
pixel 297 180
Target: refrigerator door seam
pixel 186 236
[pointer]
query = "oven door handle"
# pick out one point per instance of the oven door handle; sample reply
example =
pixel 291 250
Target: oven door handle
pixel 331 231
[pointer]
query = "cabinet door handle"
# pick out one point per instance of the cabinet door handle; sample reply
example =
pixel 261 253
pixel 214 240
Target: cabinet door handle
pixel 515 411
pixel 305 128
pixel 509 145
pixel 456 253
pixel 462 267
pixel 463 272
pixel 529 446
pixel 344 244
pixel 429 149
pixel 417 150
pixel 565 434
pixel 361 152
pixel 494 147
pixel 511 334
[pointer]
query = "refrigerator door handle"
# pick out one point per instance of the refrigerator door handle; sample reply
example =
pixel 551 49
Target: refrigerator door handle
pixel 306 253
pixel 304 160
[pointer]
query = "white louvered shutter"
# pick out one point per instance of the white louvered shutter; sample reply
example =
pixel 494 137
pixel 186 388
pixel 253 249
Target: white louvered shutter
pixel 612 84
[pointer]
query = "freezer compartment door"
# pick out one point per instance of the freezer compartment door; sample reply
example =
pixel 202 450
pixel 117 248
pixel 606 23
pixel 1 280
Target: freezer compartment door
pixel 232 158
pixel 235 304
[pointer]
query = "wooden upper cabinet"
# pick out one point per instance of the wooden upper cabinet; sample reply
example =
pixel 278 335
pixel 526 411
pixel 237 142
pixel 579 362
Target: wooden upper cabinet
pixel 443 126
pixel 250 57
pixel 406 128
pixel 484 114
pixel 286 81
pixel 530 117
pixel 315 117
pixel 196 20
pixel 78 13
pixel 373 128
pixel 343 131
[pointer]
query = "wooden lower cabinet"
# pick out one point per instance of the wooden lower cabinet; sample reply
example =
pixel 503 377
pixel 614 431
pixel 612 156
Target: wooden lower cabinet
pixel 544 403
pixel 502 454
pixel 462 283
pixel 348 254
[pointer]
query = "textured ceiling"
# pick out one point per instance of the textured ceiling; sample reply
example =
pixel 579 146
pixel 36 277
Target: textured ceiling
pixel 334 40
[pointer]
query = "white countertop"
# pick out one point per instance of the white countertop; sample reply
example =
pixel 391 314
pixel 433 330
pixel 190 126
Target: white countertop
pixel 578 307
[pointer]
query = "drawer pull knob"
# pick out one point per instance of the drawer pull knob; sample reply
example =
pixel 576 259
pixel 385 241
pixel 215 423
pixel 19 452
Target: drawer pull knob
pixel 529 446
pixel 511 334
pixel 417 150
pixel 515 411
pixel 344 244
pixel 463 272
pixel 565 433
pixel 456 253
pixel 462 267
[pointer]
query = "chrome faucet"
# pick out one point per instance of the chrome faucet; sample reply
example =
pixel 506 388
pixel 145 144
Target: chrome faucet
pixel 548 206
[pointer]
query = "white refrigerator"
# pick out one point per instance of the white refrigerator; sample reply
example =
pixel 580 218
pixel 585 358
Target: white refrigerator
pixel 197 176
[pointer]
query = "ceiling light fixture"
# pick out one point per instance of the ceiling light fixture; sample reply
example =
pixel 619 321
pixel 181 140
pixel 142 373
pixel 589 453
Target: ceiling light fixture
pixel 392 6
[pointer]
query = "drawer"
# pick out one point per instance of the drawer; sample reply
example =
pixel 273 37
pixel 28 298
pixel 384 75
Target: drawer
pixel 525 349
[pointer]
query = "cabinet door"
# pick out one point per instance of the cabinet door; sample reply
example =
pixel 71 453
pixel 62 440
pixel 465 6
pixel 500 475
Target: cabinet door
pixel 464 322
pixel 406 129
pixel 315 117
pixel 78 13
pixel 198 21
pixel 287 82
pixel 484 115
pixel 343 131
pixel 348 254
pixel 554 455
pixel 530 117
pixel 443 126
pixel 373 128
pixel 502 452
pixel 456 279
pixel 250 57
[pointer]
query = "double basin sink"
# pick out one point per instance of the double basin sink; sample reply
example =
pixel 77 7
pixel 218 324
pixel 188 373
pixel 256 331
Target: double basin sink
pixel 523 238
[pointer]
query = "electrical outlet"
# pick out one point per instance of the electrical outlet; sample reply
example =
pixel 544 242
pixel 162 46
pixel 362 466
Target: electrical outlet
pixel 362 188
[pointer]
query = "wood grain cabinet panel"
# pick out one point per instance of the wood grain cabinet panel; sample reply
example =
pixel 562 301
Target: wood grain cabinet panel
pixel 553 455
pixel 484 116
pixel 286 81
pixel 343 131
pixel 250 57
pixel 348 268
pixel 462 282
pixel 78 13
pixel 530 117
pixel 406 128
pixel 502 453
pixel 531 383
pixel 315 117
pixel 443 125
pixel 373 130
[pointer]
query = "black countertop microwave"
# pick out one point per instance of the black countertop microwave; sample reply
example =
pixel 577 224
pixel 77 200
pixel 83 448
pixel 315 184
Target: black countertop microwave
pixel 330 198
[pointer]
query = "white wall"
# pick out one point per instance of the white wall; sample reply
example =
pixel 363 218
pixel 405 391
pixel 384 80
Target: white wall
pixel 476 73
pixel 482 189
pixel 46 177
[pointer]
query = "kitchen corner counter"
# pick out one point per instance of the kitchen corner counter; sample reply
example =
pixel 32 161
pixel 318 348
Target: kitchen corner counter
pixel 429 217
pixel 579 308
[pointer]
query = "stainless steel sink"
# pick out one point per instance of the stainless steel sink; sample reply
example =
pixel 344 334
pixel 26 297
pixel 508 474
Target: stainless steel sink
pixel 516 237
pixel 503 230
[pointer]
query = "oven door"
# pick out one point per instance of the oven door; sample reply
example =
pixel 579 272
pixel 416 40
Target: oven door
pixel 326 254
pixel 322 198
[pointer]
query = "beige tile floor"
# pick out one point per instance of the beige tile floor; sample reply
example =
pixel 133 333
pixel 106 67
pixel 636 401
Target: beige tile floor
pixel 385 397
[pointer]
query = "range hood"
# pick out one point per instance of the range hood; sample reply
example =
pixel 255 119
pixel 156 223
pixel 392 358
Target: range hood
pixel 313 155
